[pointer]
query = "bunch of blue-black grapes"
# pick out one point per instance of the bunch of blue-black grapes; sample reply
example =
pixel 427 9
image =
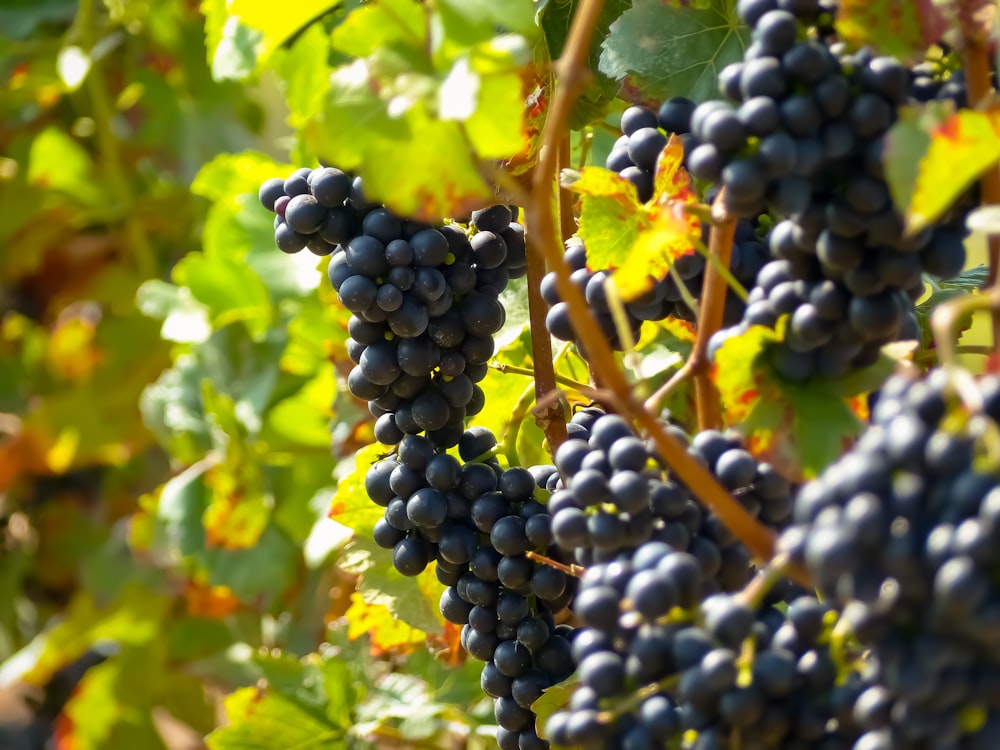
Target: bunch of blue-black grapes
pixel 903 535
pixel 802 135
pixel 424 299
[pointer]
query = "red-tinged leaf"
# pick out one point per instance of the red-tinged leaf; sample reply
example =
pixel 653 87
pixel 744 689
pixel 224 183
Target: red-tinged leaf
pixel 638 241
pixel 666 230
pixel 902 28
pixel 205 600
pixel 801 428
pixel 387 632
pixel 610 215
pixel 961 149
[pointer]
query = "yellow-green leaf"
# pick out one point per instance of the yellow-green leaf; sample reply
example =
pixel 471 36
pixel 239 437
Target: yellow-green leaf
pixel 960 150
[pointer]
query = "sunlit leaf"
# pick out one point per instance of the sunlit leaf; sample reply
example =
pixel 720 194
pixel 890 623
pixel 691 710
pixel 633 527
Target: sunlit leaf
pixel 259 718
pixel 933 157
pixel 902 28
pixel 670 232
pixel 387 633
pixel 639 241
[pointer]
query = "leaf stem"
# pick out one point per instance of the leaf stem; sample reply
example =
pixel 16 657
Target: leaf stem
pixel 571 570
pixel 976 61
pixel 561 379
pixel 573 72
pixel 509 445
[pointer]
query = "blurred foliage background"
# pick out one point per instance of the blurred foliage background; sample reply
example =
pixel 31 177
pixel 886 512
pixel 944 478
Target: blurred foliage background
pixel 168 382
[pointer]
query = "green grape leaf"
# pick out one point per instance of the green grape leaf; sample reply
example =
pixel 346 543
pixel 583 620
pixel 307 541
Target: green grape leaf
pixel 20 18
pixel 800 427
pixel 351 505
pixel 259 717
pixel 968 282
pixel 553 699
pixel 304 72
pixel 58 163
pixel 235 57
pixel 902 28
pixel 185 319
pixel 610 215
pixel 555 17
pixel 412 600
pixel 469 22
pixel 668 51
pixel 231 291
pixel 933 156
pixel 261 571
pixel 228 176
pixel 95 716
pixel 392 112
pixel 242 35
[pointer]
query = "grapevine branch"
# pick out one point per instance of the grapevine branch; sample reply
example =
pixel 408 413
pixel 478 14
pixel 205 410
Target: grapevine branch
pixel 710 315
pixel 572 72
pixel 976 62
pixel 550 419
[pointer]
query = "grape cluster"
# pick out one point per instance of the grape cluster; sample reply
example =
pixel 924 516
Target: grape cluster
pixel 805 138
pixel 424 300
pixel 661 666
pixel 635 153
pixel 478 521
pixel 903 534
pixel 615 495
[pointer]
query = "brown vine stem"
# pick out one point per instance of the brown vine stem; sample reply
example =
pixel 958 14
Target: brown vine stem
pixel 710 314
pixel 976 62
pixel 713 301
pixel 572 71
pixel 550 418
pixel 567 223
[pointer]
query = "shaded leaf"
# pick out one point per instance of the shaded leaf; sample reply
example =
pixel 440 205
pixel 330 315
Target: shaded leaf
pixel 555 17
pixel 134 618
pixel 668 50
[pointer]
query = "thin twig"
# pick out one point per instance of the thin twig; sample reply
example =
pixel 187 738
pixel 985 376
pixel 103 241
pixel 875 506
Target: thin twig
pixel 515 370
pixel 545 240
pixel 571 570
